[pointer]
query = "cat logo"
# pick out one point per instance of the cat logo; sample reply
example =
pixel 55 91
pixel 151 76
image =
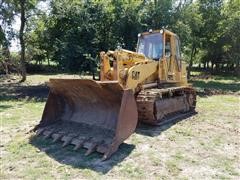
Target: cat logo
pixel 135 75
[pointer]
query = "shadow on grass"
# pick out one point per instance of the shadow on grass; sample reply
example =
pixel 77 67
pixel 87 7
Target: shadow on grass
pixel 15 91
pixel 150 130
pixel 3 107
pixel 234 87
pixel 232 78
pixel 77 159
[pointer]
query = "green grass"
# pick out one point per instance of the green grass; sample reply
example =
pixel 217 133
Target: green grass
pixel 205 146
pixel 223 83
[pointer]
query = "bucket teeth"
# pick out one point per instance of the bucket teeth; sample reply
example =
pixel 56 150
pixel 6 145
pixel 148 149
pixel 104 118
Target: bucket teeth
pixel 56 137
pixel 48 133
pixel 67 139
pixel 102 148
pixel 79 137
pixel 40 131
pixel 78 142
pixel 92 146
pixel 77 146
pixel 65 143
pixel 106 155
pixel 108 149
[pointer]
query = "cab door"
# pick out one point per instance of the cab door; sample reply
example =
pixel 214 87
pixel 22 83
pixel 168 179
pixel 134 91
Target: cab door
pixel 177 60
pixel 170 66
pixel 177 53
pixel 170 57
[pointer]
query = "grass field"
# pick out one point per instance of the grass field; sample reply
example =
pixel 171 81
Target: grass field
pixel 204 146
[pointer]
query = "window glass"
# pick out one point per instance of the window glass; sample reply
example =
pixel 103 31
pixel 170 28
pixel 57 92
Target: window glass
pixel 168 49
pixel 151 46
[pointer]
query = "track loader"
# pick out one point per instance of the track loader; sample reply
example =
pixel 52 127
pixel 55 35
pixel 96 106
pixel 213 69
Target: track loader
pixel 149 85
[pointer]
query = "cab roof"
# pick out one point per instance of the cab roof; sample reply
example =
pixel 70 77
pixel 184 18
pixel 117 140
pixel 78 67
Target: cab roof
pixel 158 31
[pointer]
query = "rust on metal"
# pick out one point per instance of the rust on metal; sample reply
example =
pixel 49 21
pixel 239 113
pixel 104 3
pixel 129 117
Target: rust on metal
pixel 158 105
pixel 98 116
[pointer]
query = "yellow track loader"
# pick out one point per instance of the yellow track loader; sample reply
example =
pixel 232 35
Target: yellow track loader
pixel 149 85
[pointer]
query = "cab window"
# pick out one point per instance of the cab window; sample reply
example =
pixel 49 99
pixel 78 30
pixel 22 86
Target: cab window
pixel 151 45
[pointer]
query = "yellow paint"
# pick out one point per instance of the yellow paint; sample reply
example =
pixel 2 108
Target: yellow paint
pixel 132 69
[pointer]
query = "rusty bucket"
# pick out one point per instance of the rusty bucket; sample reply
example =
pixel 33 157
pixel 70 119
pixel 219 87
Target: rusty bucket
pixel 98 116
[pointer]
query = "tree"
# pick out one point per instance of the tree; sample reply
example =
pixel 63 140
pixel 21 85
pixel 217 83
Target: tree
pixel 81 30
pixel 72 32
pixel 6 33
pixel 127 22
pixel 25 9
pixel 188 26
pixel 74 35
pixel 38 45
pixel 21 38
pixel 230 36
pixel 4 51
pixel 157 14
pixel 211 13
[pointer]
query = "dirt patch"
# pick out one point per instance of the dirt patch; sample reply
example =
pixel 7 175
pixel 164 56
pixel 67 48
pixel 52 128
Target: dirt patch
pixel 11 89
pixel 205 145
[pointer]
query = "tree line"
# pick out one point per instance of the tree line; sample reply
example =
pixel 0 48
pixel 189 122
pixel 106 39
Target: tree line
pixel 73 32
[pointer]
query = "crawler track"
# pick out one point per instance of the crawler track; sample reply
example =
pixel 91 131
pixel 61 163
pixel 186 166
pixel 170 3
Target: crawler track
pixel 157 106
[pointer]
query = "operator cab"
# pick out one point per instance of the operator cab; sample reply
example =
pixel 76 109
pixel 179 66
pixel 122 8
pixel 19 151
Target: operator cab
pixel 152 44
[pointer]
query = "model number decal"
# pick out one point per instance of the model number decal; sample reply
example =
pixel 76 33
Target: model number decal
pixel 135 75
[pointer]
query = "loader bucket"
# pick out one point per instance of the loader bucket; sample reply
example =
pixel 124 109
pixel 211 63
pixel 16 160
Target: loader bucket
pixel 98 116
